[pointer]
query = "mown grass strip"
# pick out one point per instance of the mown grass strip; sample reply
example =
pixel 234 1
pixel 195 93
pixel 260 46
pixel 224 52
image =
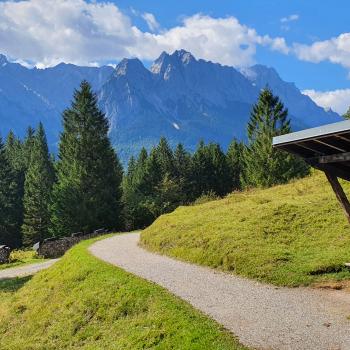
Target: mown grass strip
pixel 84 303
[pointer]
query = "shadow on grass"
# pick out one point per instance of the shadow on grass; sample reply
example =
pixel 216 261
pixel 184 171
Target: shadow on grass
pixel 13 284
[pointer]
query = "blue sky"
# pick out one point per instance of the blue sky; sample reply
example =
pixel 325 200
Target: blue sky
pixel 317 20
pixel 306 41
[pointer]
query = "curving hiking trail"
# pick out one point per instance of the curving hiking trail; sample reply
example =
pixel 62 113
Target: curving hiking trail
pixel 26 270
pixel 262 316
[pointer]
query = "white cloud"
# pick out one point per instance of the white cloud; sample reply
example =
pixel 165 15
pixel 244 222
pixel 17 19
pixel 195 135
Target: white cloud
pixel 223 40
pixel 49 31
pixel 335 50
pixel 151 21
pixel 338 100
pixel 290 18
pixel 285 21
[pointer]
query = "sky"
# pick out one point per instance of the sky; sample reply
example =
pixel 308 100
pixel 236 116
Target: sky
pixel 306 41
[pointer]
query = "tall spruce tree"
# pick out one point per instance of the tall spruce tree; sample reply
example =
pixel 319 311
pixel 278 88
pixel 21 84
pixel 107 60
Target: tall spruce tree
pixel 235 164
pixel 210 170
pixel 183 172
pixel 87 194
pixel 263 165
pixel 165 158
pixel 38 184
pixel 10 211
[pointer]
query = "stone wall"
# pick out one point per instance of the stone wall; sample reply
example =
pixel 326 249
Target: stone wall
pixel 4 254
pixel 55 247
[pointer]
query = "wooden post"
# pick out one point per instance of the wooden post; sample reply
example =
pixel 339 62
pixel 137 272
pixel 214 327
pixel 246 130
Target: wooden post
pixel 339 192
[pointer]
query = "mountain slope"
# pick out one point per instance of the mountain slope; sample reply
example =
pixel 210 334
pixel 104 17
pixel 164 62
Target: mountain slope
pixel 180 97
pixel 293 234
pixel 28 96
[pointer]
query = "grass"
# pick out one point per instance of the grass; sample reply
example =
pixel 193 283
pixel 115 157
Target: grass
pixel 22 257
pixel 84 303
pixel 294 234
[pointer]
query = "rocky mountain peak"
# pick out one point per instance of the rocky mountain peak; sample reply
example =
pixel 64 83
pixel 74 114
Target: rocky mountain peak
pixel 165 61
pixel 129 66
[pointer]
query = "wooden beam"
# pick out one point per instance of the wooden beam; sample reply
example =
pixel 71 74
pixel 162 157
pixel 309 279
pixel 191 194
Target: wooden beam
pixel 339 192
pixel 334 158
pixel 330 145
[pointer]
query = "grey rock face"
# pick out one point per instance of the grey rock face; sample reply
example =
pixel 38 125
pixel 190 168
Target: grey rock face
pixel 179 97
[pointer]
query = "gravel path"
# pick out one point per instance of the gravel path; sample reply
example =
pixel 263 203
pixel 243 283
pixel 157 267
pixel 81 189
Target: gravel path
pixel 25 270
pixel 262 316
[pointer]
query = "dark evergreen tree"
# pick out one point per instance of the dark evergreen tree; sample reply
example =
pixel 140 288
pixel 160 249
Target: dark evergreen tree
pixel 183 172
pixel 38 184
pixel 346 115
pixel 10 211
pixel 15 154
pixel 87 194
pixel 235 163
pixel 165 158
pixel 263 165
pixel 27 147
pixel 210 170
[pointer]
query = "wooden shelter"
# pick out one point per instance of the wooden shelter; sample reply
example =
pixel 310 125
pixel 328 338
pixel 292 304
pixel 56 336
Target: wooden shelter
pixel 326 148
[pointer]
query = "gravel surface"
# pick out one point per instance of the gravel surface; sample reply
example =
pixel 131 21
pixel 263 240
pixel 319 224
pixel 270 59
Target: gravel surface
pixel 262 316
pixel 26 270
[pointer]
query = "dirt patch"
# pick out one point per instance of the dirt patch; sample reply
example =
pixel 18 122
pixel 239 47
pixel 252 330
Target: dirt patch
pixel 335 285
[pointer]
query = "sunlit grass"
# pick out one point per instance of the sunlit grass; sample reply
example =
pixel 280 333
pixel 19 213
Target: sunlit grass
pixel 84 303
pixel 291 235
pixel 22 257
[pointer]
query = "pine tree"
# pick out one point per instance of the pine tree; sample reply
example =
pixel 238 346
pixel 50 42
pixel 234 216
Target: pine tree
pixel 183 172
pixel 165 158
pixel 263 165
pixel 38 184
pixel 15 155
pixel 87 194
pixel 27 147
pixel 10 215
pixel 234 158
pixel 210 170
pixel 346 115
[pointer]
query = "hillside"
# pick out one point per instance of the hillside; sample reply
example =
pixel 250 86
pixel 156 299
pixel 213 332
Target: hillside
pixel 294 234
pixel 89 304
pixel 180 97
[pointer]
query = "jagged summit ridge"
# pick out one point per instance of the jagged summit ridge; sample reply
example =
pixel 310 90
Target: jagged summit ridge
pixel 180 97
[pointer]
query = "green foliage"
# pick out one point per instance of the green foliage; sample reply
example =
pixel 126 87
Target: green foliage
pixel 38 184
pixel 265 166
pixel 235 164
pixel 206 197
pixel 10 209
pixel 22 257
pixel 347 114
pixel 210 170
pixel 87 194
pixel 293 234
pixel 92 305
pixel 183 172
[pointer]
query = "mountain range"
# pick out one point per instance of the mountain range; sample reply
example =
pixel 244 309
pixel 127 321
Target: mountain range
pixel 179 97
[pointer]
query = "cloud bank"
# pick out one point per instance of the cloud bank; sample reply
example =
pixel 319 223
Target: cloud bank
pixel 338 100
pixel 335 50
pixel 46 32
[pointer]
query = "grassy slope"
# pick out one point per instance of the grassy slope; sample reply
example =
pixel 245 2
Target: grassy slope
pixel 291 235
pixel 22 257
pixel 82 302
